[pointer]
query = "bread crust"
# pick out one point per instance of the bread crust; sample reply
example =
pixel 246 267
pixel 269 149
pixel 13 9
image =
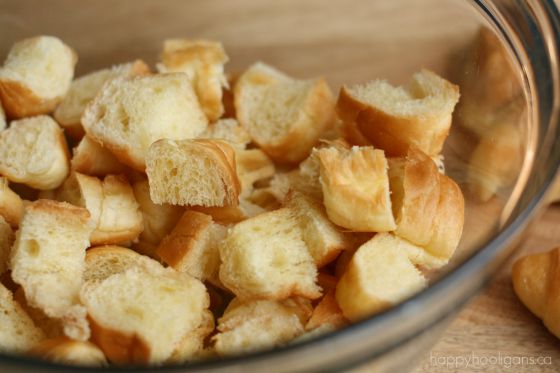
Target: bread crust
pixel 20 101
pixel 90 158
pixel 535 281
pixel 67 351
pixel 11 204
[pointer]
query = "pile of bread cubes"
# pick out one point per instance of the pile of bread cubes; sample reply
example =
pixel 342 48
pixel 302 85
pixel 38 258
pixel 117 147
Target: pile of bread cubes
pixel 152 218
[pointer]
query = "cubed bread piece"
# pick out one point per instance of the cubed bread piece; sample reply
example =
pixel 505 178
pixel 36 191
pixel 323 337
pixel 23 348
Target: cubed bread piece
pixel 33 151
pixel 356 188
pixel 252 165
pixel 129 114
pixel 192 246
pixel 448 221
pixel 6 241
pixel 48 260
pixel 52 328
pixel 63 350
pixel 327 312
pixel 323 239
pixel 265 257
pixel 36 75
pixel 11 204
pixel 111 203
pixel 394 118
pixel 414 182
pixel 18 333
pixel 138 316
pixel 158 220
pixel 379 275
pixel 257 325
pixel 84 89
pixel 193 172
pixel 495 162
pixel 284 116
pixel 535 280
pixel 192 346
pixel 90 158
pixel 203 61
pixel 229 130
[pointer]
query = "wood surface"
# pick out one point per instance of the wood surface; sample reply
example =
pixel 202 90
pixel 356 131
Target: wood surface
pixel 496 323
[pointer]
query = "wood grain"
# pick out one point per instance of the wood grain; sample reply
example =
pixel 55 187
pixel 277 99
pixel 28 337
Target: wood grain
pixel 496 322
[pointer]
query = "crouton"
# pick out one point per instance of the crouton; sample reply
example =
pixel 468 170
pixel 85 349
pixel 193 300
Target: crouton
pixel 193 172
pixel 203 61
pixel 129 114
pixel 265 257
pixel 35 76
pixel 33 151
pixel 394 118
pixel 192 246
pixel 138 316
pixel 18 333
pixel 258 324
pixel 90 158
pixel 48 260
pixel 378 276
pixel 284 116
pixel 111 203
pixel 356 188
pixel 84 89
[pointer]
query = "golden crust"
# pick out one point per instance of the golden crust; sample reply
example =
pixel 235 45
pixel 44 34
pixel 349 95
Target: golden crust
pixel 356 188
pixel 67 351
pixel 415 194
pixel 327 312
pixel 120 348
pixel 91 158
pixel 11 204
pixel 535 281
pixel 20 101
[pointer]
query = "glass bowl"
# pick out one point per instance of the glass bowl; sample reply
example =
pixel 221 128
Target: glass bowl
pixel 508 74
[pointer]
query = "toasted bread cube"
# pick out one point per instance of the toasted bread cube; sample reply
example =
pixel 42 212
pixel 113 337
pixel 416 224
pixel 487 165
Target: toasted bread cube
pixel 6 241
pixel 129 114
pixel 284 116
pixel 138 316
pixel 158 220
pixel 323 239
pixel 327 312
pixel 192 246
pixel 111 203
pixel 84 89
pixel 33 151
pixel 203 61
pixel 252 165
pixel 356 188
pixel 64 350
pixel 11 204
pixel 265 257
pixel 231 214
pixel 36 75
pixel 191 347
pixel 394 118
pixel 257 325
pixel 379 275
pixel 448 221
pixel 48 260
pixel 229 130
pixel 51 327
pixel 193 172
pixel 90 158
pixel 414 182
pixel 18 333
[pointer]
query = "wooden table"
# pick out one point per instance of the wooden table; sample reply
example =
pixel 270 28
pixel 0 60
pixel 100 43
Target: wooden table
pixel 496 323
